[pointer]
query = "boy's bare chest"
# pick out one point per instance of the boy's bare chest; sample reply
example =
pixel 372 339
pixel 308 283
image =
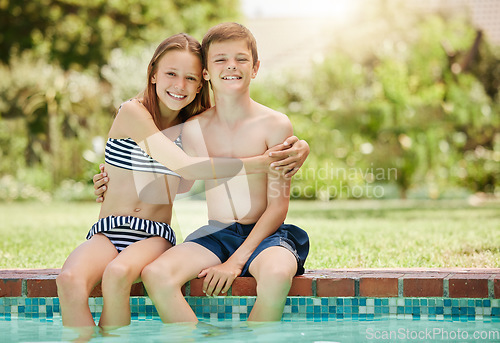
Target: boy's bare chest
pixel 237 141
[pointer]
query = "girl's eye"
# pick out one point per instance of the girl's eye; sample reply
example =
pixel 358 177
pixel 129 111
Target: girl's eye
pixel 171 74
pixel 191 79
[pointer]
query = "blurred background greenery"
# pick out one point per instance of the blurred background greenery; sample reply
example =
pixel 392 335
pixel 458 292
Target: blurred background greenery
pixel 401 101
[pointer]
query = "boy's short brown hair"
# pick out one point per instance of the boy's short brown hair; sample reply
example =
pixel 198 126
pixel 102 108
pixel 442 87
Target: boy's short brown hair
pixel 226 32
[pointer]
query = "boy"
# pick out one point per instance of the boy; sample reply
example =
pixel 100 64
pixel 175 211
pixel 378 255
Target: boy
pixel 246 234
pixel 256 241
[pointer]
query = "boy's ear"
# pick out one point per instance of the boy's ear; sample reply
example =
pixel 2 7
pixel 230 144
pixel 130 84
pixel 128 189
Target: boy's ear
pixel 255 69
pixel 206 76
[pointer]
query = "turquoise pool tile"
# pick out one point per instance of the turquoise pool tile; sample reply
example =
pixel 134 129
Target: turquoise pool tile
pixel 324 301
pixel 362 302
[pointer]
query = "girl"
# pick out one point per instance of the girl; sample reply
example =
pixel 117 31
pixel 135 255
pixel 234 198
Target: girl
pixel 133 227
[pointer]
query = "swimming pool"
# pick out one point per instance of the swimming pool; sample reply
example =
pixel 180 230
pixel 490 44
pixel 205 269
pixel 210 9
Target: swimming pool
pixel 305 319
pixel 151 329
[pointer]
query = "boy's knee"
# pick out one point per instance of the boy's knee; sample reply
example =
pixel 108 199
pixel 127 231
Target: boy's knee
pixel 163 275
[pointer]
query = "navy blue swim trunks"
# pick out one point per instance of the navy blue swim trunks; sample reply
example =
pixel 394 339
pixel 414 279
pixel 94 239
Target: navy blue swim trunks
pixel 223 240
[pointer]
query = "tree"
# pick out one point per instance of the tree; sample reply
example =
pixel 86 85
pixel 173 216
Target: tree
pixel 81 34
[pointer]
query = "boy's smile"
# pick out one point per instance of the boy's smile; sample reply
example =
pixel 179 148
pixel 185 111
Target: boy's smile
pixel 230 64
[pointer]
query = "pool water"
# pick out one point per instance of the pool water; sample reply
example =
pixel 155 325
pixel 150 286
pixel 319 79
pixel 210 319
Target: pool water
pixel 343 330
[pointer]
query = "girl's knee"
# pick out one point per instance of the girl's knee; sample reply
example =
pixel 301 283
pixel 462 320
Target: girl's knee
pixel 70 283
pixel 117 272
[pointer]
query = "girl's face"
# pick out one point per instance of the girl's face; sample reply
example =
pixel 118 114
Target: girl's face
pixel 177 79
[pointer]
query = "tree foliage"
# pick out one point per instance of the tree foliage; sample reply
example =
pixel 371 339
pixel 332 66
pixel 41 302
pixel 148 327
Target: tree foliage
pixel 405 115
pixel 81 34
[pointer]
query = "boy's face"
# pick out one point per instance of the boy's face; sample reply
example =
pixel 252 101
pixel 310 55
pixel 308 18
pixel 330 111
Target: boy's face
pixel 230 66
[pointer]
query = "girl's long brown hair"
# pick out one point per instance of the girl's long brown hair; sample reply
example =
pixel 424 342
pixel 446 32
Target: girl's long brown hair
pixel 201 102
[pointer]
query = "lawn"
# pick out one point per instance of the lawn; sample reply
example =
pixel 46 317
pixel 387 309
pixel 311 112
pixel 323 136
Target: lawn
pixel 344 234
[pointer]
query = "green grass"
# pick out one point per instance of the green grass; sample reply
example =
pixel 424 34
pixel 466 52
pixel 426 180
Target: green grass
pixel 344 234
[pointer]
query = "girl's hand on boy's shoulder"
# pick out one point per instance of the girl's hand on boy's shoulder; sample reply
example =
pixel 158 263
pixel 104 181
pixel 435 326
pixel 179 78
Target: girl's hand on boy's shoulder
pixel 291 154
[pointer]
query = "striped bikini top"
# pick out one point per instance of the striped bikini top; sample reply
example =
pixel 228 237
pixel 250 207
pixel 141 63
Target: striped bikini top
pixel 127 154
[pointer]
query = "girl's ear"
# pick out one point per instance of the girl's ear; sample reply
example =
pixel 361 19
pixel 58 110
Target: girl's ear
pixel 206 76
pixel 153 79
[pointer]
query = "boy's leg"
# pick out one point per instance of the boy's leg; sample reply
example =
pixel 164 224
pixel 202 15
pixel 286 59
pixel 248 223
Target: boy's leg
pixel 82 270
pixel 119 276
pixel 165 276
pixel 273 269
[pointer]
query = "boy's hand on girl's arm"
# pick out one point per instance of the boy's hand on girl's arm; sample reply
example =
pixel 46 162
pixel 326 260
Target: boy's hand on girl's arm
pixel 292 155
pixel 219 278
pixel 100 180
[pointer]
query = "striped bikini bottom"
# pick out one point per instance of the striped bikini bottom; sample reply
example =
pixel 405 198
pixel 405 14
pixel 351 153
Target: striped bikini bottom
pixel 123 231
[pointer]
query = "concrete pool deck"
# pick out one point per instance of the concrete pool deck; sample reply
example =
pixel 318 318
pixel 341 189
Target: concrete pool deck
pixel 359 282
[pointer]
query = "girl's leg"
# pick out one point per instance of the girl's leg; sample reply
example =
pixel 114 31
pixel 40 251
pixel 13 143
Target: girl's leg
pixel 273 269
pixel 82 270
pixel 165 277
pixel 119 276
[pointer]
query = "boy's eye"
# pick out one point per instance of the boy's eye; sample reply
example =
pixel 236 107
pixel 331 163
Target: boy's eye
pixel 219 60
pixel 171 73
